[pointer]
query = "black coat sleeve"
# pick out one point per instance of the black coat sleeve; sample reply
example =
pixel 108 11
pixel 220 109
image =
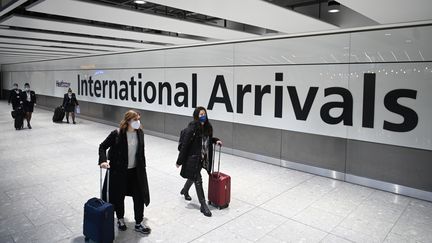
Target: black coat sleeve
pixel 188 137
pixel 106 144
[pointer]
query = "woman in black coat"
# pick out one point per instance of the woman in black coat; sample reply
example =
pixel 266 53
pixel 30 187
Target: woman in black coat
pixel 28 98
pixel 196 152
pixel 127 164
pixel 69 103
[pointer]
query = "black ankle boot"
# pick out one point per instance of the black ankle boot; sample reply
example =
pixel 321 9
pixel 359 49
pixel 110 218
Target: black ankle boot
pixel 200 193
pixel 186 195
pixel 185 190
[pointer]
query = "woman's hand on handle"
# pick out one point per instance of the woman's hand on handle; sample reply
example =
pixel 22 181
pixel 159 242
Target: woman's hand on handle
pixel 104 165
pixel 177 165
pixel 219 142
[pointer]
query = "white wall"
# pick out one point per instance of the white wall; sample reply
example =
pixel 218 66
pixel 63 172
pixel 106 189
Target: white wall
pixel 400 58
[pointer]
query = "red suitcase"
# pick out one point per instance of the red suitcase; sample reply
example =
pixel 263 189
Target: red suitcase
pixel 219 187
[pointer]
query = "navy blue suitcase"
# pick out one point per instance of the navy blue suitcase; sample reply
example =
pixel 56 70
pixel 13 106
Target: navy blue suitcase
pixel 99 218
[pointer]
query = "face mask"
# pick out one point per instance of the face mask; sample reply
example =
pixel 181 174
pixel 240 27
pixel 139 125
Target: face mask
pixel 26 88
pixel 135 124
pixel 70 93
pixel 203 118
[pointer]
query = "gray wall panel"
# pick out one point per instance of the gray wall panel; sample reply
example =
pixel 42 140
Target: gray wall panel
pixel 94 110
pixel 394 164
pixel 259 140
pixel 5 94
pixel 175 123
pixel 224 131
pixel 153 121
pixel 314 150
pixel 53 101
pixel 112 114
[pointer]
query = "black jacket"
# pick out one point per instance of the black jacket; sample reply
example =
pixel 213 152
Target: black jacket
pixel 32 97
pixel 70 101
pixel 118 155
pixel 190 152
pixel 15 98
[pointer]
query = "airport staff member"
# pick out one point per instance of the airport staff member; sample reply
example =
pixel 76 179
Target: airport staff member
pixel 29 100
pixel 127 165
pixel 15 97
pixel 69 103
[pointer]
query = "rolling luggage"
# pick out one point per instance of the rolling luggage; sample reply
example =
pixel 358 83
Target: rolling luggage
pixel 59 114
pixel 18 115
pixel 219 187
pixel 99 217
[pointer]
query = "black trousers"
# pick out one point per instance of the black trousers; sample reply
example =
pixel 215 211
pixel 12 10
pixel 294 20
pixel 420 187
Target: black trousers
pixel 138 201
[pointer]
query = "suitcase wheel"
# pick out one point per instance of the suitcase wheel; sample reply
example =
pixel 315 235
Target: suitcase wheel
pixel 222 207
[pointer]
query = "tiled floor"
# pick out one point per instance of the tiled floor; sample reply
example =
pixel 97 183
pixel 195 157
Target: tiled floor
pixel 47 174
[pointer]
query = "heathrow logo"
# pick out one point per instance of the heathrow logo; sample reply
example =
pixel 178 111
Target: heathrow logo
pixel 62 84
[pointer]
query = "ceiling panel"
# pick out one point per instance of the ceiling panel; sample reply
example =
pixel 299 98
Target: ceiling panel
pixel 5 60
pixel 121 45
pixel 38 23
pixel 392 11
pixel 4 54
pixel 35 23
pixel 54 49
pixel 7 56
pixel 255 12
pixel 110 14
pixel 11 50
pixel 6 40
pixel 12 7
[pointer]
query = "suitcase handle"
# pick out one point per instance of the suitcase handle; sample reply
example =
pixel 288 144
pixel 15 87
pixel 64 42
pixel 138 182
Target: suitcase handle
pixel 214 155
pixel 101 185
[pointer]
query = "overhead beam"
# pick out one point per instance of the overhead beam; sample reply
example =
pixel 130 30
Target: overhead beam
pixel 51 43
pixel 255 12
pixel 86 29
pixel 111 14
pixel 125 45
pixel 12 7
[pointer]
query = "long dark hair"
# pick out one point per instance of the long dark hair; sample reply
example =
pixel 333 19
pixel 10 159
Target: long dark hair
pixel 207 127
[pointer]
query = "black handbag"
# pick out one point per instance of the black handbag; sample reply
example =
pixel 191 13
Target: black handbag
pixel 13 114
pixel 191 168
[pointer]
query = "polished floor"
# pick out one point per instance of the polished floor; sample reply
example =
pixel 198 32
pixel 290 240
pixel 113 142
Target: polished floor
pixel 49 172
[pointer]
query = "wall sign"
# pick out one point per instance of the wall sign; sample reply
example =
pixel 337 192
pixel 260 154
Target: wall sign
pixel 356 101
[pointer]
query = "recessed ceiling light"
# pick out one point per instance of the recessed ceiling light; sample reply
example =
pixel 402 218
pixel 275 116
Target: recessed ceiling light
pixel 387 34
pixel 139 2
pixel 333 7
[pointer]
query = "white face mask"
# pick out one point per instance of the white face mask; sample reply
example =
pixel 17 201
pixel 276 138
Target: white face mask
pixel 26 89
pixel 135 124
